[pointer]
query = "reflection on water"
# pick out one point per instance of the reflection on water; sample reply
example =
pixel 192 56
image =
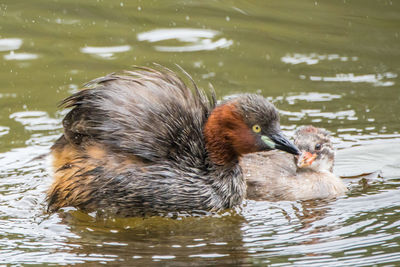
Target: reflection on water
pixel 311 97
pixel 36 120
pixel 198 39
pixel 9 44
pixel 382 154
pixel 379 79
pixel 334 65
pixel 375 79
pixel 105 52
pixel 20 56
pixel 4 130
pixel 313 58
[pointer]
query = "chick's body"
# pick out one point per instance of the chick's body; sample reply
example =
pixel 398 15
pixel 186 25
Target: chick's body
pixel 276 176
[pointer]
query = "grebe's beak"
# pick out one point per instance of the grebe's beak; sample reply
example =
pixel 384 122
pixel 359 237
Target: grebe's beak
pixel 278 141
pixel 306 159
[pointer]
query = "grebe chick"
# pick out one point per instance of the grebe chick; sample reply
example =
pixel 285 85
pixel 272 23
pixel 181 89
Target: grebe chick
pixel 143 143
pixel 274 176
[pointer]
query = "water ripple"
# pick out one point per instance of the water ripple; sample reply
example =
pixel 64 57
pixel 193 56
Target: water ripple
pixel 10 44
pixel 20 56
pixel 198 39
pixel 4 130
pixel 36 120
pixel 318 114
pixel 310 97
pixel 210 255
pixel 8 95
pixel 313 58
pixel 374 79
pixel 106 52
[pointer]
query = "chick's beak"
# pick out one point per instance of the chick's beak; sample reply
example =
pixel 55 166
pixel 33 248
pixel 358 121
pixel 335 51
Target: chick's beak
pixel 306 159
pixel 282 143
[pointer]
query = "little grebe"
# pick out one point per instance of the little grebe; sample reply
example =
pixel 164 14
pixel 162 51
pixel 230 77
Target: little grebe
pixel 142 143
pixel 275 176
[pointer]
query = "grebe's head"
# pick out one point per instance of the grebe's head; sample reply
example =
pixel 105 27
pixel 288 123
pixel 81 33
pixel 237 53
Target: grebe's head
pixel 316 149
pixel 248 123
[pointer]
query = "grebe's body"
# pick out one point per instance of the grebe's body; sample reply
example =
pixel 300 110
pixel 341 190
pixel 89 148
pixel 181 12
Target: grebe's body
pixel 142 143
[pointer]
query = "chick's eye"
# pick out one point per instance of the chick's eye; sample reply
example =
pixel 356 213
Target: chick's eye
pixel 317 146
pixel 256 128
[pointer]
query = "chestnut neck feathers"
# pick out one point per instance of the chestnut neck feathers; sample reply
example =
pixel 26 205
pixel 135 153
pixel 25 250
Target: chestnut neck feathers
pixel 228 131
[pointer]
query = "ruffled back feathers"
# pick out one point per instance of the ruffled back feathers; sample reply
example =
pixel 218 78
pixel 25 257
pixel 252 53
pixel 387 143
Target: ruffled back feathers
pixel 148 113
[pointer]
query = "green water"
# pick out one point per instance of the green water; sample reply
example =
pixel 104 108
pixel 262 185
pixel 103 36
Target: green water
pixel 333 64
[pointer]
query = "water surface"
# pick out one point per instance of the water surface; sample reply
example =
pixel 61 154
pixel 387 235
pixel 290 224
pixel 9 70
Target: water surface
pixel 333 64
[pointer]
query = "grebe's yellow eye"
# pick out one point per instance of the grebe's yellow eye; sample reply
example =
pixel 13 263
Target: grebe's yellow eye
pixel 256 128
